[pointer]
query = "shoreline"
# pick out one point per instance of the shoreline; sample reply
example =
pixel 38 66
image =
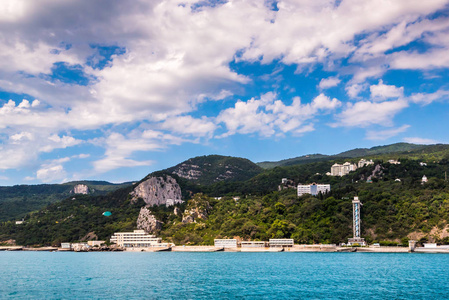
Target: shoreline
pixel 295 248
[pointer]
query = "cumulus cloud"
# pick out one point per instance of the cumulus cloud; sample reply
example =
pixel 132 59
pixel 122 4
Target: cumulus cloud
pixel 326 83
pixel 427 98
pixel 51 173
pixel 267 115
pixel 382 91
pixel 366 113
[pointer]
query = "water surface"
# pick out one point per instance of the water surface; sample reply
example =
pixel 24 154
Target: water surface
pixel 170 275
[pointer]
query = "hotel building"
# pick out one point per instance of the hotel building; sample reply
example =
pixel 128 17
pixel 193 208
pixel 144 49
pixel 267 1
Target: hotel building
pixel 313 189
pixel 136 239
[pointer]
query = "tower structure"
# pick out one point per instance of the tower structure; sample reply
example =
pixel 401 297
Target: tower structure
pixel 356 224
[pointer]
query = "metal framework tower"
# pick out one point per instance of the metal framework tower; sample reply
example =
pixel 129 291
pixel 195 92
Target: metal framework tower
pixel 356 205
pixel 356 224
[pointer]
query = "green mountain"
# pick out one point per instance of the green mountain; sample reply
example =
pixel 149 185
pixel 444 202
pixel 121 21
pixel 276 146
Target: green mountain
pixel 16 201
pixel 210 169
pixel 247 203
pixel 374 152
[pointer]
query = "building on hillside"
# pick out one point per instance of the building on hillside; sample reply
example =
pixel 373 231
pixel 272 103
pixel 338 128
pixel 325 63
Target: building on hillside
pixel 281 242
pixel 424 179
pixel 423 164
pixel 137 239
pixel 225 243
pixel 342 170
pixel 363 162
pixel 394 162
pixel 313 189
pixel 95 243
pixel 286 184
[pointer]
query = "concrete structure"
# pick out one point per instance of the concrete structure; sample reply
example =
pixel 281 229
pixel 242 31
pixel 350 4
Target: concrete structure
pixel 225 243
pixel 66 246
pixel 394 162
pixel 253 244
pixel 313 189
pixel 95 243
pixel 344 169
pixel 356 224
pixel 137 239
pixel 363 162
pixel 281 242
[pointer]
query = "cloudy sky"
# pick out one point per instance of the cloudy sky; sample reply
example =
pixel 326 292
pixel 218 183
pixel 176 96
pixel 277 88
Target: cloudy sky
pixel 113 89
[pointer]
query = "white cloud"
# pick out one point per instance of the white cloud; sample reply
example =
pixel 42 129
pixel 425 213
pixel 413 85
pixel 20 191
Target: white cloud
pixel 382 91
pixel 427 98
pixel 366 113
pixel 51 173
pixel 418 140
pixel 385 134
pixel 354 90
pixel 267 116
pixel 326 83
pixel 190 126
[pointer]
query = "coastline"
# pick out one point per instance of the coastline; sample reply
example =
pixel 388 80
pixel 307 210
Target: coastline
pixel 295 248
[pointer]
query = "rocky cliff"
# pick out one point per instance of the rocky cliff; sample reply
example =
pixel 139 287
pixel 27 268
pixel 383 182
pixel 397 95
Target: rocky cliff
pixel 157 191
pixel 147 221
pixel 80 189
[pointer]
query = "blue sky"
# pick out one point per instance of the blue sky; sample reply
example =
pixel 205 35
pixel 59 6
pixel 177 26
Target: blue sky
pixel 113 91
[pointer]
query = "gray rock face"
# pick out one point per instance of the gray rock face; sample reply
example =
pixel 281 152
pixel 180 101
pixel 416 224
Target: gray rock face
pixel 157 191
pixel 146 221
pixel 188 171
pixel 197 209
pixel 80 189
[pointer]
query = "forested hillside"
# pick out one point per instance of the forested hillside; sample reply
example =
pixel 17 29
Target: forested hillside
pixel 396 206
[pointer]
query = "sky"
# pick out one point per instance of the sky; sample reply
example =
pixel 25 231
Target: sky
pixel 113 90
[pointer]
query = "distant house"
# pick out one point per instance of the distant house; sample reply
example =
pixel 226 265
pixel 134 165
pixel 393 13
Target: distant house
pixel 422 164
pixel 281 242
pixel 394 162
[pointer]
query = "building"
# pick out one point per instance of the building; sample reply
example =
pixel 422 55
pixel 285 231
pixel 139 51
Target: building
pixel 281 242
pixel 363 162
pixel 313 189
pixel 342 170
pixel 394 162
pixel 171 202
pixel 66 246
pixel 136 239
pixel 253 244
pixel 225 243
pixel 356 224
pixel 95 243
pixel 424 179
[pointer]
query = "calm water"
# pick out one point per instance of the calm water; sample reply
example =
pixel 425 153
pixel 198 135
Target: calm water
pixel 146 275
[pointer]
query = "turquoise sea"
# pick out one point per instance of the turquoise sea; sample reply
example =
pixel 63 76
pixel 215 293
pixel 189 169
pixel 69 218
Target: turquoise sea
pixel 223 275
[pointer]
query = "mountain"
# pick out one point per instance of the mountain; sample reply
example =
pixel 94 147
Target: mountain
pixel 205 170
pixel 403 149
pixel 16 201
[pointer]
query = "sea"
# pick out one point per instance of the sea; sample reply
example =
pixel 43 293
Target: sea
pixel 222 275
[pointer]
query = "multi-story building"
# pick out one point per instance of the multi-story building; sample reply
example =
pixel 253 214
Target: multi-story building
pixel 363 162
pixel 313 189
pixel 136 239
pixel 344 169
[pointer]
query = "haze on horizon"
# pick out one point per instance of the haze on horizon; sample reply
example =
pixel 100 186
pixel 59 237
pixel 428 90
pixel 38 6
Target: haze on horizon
pixel 113 90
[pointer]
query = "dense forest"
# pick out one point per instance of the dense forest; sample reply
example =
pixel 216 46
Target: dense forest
pixel 396 206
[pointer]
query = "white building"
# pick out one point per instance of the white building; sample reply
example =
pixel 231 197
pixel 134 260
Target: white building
pixel 363 162
pixel 225 243
pixel 281 242
pixel 95 243
pixel 424 179
pixel 344 169
pixel 313 189
pixel 253 244
pixel 136 239
pixel 394 162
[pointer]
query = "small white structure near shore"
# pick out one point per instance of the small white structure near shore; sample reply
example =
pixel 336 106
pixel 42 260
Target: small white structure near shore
pixel 281 242
pixel 225 243
pixel 253 244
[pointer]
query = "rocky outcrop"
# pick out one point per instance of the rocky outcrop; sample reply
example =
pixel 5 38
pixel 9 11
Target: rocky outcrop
pixel 158 190
pixel 147 221
pixel 80 189
pixel 198 208
pixel 177 212
pixel 188 171
pixel 91 236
